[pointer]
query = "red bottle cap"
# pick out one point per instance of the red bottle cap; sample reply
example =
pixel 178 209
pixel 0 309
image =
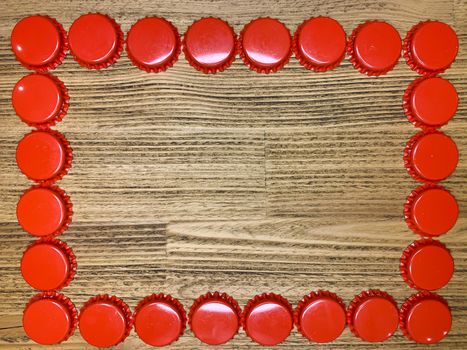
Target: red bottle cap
pixel 430 156
pixel 268 319
pixel 319 43
pixel 431 210
pixel 159 319
pixel 210 45
pixel 430 102
pixel 153 44
pixel 214 318
pixel 96 40
pixel 49 318
pixel 40 100
pixel 374 47
pixel 265 45
pixel 430 47
pixel 44 155
pixel 425 318
pixel 320 316
pixel 105 321
pixel 427 264
pixel 373 316
pixel 44 211
pixel 48 264
pixel 39 42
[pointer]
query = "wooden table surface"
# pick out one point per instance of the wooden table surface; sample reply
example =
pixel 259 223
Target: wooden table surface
pixel 185 183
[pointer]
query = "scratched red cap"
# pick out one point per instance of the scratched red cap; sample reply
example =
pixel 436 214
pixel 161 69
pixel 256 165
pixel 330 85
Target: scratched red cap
pixel 48 264
pixel 49 318
pixel 319 43
pixel 268 319
pixel 373 316
pixel 210 45
pixel 40 100
pixel 105 321
pixel 425 318
pixel 430 102
pixel 153 44
pixel 160 319
pixel 430 47
pixel 44 211
pixel 320 316
pixel 427 264
pixel 214 318
pixel 39 42
pixel 44 156
pixel 374 47
pixel 431 210
pixel 265 45
pixel 430 156
pixel 96 40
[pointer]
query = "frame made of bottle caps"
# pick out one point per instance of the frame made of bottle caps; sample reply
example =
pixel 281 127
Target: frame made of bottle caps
pixel 210 45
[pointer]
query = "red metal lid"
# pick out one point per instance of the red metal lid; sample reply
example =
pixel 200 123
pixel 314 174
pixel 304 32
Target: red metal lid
pixel 430 47
pixel 319 43
pixel 40 100
pixel 268 319
pixel 425 318
pixel 320 316
pixel 105 321
pixel 96 40
pixel 265 45
pixel 373 316
pixel 153 44
pixel 39 42
pixel 210 45
pixel 159 319
pixel 430 102
pixel 431 210
pixel 427 264
pixel 44 211
pixel 49 318
pixel 430 156
pixel 44 156
pixel 374 47
pixel 214 318
pixel 48 264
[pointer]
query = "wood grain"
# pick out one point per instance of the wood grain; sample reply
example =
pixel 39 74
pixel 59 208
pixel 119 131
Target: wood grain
pixel 246 183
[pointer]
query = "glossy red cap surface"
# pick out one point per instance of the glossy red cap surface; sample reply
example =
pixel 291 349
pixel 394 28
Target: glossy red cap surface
pixel 96 40
pixel 431 156
pixel 49 318
pixel 44 211
pixel 44 155
pixel 159 319
pixel 430 102
pixel 431 210
pixel 40 100
pixel 373 316
pixel 265 45
pixel 425 318
pixel 105 321
pixel 268 319
pixel 214 318
pixel 374 47
pixel 153 44
pixel 39 42
pixel 320 316
pixel 210 45
pixel 430 47
pixel 427 264
pixel 319 43
pixel 48 264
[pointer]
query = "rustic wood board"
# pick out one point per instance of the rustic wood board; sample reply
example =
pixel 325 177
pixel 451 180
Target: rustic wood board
pixel 246 183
